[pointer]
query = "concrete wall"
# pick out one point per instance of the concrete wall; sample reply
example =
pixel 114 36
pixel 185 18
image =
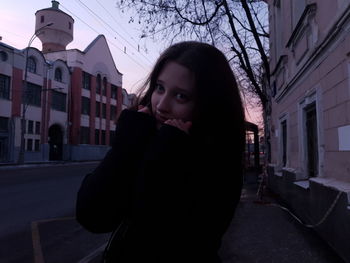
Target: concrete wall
pixel 88 152
pixel 316 201
pixel 310 65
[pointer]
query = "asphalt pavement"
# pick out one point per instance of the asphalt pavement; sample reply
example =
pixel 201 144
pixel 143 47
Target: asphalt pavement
pixel 261 232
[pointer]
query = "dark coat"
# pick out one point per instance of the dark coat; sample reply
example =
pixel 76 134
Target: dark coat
pixel 177 195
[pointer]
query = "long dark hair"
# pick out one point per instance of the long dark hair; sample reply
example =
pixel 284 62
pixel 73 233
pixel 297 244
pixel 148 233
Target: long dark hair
pixel 219 115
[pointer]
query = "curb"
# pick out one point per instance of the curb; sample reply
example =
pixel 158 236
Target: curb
pixel 12 166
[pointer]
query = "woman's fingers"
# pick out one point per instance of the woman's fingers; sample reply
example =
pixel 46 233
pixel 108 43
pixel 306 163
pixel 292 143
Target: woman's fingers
pixel 144 109
pixel 180 124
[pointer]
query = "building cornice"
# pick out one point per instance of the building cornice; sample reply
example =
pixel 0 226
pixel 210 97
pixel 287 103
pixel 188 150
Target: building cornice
pixel 282 60
pixel 318 50
pixel 309 9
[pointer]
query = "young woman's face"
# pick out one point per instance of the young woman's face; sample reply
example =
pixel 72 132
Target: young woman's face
pixel 173 96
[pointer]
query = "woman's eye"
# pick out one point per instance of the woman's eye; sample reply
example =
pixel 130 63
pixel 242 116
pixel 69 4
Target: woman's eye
pixel 159 88
pixel 182 97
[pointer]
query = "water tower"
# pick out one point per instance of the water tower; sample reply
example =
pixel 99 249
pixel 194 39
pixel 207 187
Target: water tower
pixel 58 35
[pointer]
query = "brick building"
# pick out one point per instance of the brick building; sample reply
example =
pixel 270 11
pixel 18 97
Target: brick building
pixel 72 97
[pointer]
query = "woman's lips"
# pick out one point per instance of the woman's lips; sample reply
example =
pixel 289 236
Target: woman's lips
pixel 161 118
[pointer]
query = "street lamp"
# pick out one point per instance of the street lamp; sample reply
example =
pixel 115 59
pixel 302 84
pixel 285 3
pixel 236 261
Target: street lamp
pixel 24 93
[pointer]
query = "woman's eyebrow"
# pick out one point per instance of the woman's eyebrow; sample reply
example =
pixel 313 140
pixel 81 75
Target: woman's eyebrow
pixel 160 81
pixel 175 88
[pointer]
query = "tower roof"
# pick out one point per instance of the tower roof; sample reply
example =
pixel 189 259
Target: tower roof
pixel 55 7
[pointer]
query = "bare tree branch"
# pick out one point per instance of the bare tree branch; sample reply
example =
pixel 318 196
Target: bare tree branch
pixel 257 39
pixel 218 5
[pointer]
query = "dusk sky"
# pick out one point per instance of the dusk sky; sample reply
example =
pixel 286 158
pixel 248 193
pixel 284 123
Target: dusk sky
pixel 91 18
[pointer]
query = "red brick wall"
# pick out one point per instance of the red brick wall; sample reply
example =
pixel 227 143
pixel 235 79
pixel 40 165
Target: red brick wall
pixel 75 105
pixel 93 110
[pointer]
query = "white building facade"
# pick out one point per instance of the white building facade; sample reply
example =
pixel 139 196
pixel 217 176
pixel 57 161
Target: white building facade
pixel 310 121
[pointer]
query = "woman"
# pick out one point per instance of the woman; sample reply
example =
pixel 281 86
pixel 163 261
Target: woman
pixel 173 178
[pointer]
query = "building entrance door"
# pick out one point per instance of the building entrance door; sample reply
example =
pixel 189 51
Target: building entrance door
pixel 55 142
pixel 3 149
pixel 312 144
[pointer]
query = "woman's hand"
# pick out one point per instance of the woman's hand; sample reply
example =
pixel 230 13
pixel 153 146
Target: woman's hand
pixel 144 109
pixel 180 124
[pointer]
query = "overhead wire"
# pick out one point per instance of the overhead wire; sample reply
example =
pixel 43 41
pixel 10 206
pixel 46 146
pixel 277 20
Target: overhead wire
pixel 104 22
pixel 118 24
pixel 112 43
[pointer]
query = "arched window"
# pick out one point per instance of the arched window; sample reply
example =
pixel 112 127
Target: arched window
pixel 3 56
pixel 58 74
pixel 98 84
pixel 31 66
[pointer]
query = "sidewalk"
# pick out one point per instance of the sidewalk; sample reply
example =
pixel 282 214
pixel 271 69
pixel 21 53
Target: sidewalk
pixel 263 232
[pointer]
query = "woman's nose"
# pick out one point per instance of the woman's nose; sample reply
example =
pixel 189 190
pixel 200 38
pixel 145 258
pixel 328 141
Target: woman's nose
pixel 163 104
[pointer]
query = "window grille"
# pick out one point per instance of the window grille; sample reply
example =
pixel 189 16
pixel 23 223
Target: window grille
pixel 31 67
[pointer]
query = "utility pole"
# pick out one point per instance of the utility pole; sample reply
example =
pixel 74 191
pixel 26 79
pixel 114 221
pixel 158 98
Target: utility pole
pixel 24 96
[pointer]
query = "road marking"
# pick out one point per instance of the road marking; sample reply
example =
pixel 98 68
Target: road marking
pixel 37 250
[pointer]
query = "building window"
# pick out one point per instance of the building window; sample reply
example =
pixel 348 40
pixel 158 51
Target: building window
pixel 37 127
pixel 284 142
pixel 98 110
pixel 33 94
pixel 97 137
pixel 69 25
pixel 58 101
pixel 30 145
pixel 103 111
pixel 30 127
pixel 37 145
pixel 86 81
pixel 4 124
pixel 3 56
pixel 85 106
pixel 42 19
pixel 84 135
pixel 113 112
pixel 31 67
pixel 98 84
pixel 278 29
pixel 114 91
pixel 311 140
pixel 104 86
pixel 297 10
pixel 5 87
pixel 58 74
pixel 103 137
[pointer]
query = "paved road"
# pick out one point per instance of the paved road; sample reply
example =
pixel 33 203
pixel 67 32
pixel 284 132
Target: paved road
pixel 37 224
pixel 37 215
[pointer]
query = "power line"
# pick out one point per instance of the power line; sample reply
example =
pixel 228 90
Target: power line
pixel 83 5
pixel 112 29
pixel 107 39
pixel 117 22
